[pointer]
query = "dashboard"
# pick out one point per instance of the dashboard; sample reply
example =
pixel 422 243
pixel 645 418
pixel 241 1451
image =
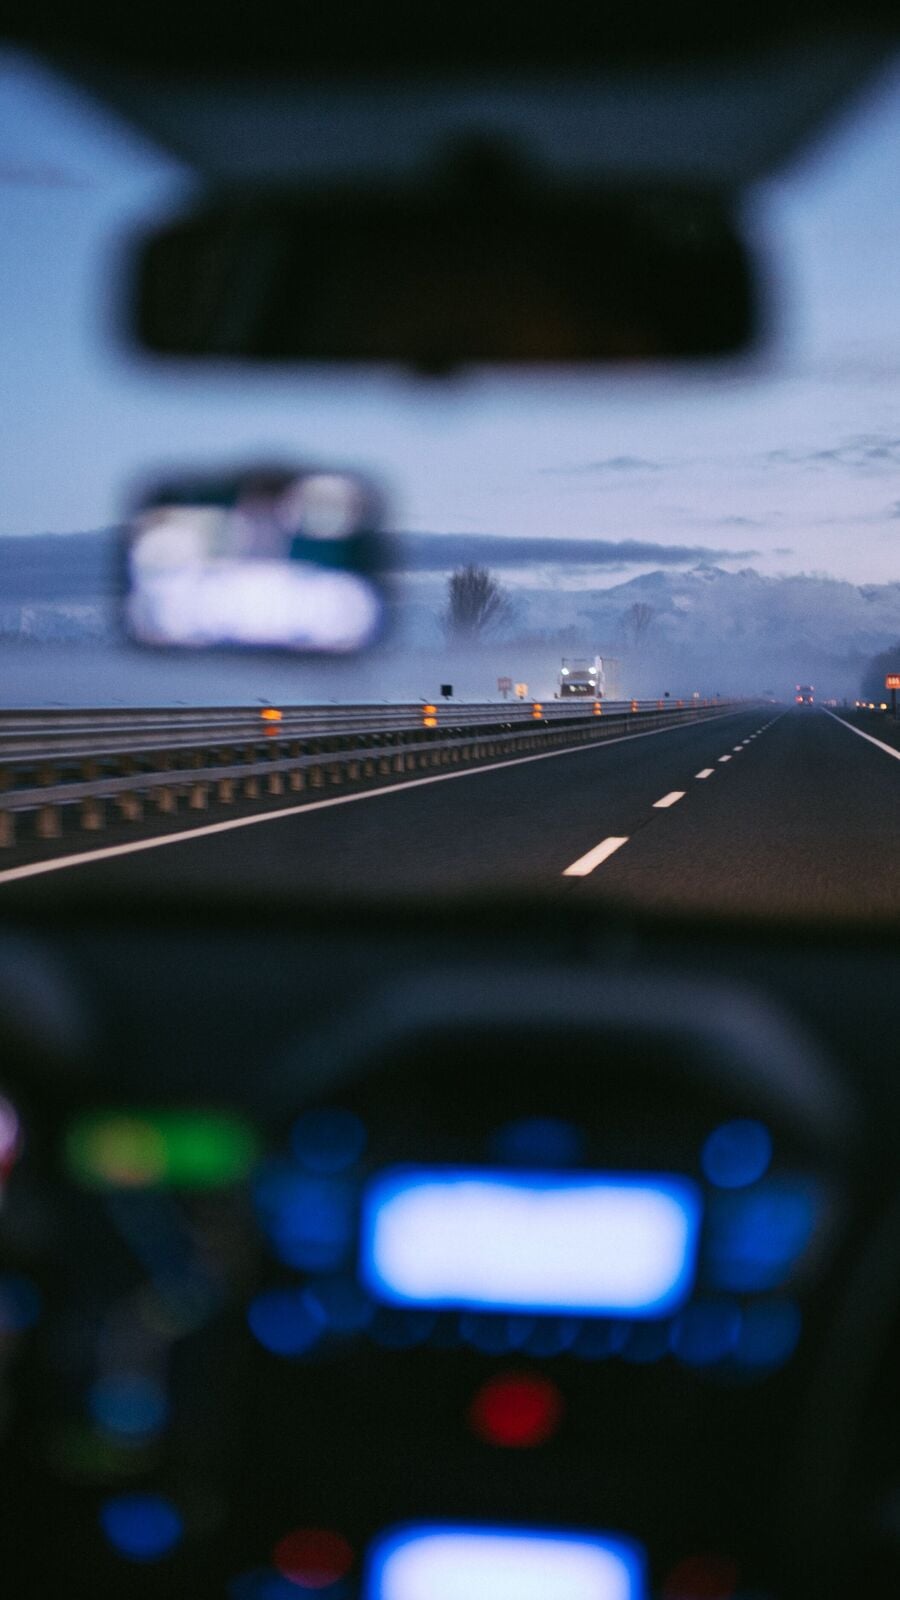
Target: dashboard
pixel 421 1254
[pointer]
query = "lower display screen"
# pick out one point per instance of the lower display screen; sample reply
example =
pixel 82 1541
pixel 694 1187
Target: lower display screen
pixel 470 1563
pixel 486 1239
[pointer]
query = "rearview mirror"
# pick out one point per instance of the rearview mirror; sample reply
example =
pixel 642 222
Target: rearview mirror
pixel 268 559
pixel 485 268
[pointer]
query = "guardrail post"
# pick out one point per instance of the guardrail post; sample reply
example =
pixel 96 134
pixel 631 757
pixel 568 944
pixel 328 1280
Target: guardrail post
pixel 296 779
pixel 165 797
pixel 7 828
pixel 198 796
pixel 225 791
pixel 93 814
pixel 48 822
pixel 131 807
pixel 275 783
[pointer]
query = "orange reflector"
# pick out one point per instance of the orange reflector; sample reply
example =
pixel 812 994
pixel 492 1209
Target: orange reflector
pixel 430 722
pixel 270 714
pixel 598 709
pixel 634 705
pixel 429 710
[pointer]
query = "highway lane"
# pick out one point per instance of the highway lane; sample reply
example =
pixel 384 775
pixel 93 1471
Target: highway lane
pixel 761 811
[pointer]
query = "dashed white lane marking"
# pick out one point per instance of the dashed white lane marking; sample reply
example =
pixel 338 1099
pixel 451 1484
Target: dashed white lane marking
pixel 887 748
pixel 600 852
pixel 706 773
pixel 737 748
pixel 668 799
pixel 724 758
pixel 86 858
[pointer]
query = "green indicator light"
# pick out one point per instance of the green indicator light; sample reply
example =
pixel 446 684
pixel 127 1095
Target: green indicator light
pixel 145 1150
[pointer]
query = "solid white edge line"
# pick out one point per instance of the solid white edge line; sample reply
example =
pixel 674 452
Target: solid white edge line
pixel 35 869
pixel 600 852
pixel 706 773
pixel 669 799
pixel 887 748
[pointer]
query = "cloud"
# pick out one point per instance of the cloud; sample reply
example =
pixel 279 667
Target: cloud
pixel 439 552
pixel 784 550
pixel 607 464
pixel 866 452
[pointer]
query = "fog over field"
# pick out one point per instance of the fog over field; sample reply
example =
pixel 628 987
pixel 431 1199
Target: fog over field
pixel 687 625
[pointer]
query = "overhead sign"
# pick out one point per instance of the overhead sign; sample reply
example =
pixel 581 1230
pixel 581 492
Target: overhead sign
pixel 892 681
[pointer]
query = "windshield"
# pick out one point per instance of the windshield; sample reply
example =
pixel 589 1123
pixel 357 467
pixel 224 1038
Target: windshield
pixel 699 563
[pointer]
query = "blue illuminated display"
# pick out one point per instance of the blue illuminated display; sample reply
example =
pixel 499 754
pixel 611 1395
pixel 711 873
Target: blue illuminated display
pixel 142 1527
pixel 459 1562
pixel 480 1239
pixel 737 1153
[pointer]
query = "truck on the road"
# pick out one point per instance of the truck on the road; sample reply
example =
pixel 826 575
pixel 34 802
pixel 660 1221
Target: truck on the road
pixel 580 676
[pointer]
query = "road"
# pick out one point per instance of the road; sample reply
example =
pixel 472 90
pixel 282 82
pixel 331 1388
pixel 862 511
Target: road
pixel 762 811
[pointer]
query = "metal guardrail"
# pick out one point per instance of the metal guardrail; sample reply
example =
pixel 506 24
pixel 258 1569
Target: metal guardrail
pixel 51 760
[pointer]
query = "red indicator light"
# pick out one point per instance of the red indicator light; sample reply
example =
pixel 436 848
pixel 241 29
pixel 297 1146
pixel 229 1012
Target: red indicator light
pixel 701 1578
pixel 516 1411
pixel 313 1558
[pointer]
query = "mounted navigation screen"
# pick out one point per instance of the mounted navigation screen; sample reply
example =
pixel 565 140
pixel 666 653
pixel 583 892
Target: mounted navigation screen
pixel 485 1240
pixel 266 559
pixel 473 1563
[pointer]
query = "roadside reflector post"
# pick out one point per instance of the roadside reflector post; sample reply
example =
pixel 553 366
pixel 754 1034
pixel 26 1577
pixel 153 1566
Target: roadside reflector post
pixel 48 823
pixel 634 705
pixel 598 709
pixel 92 815
pixel 892 682
pixel 537 709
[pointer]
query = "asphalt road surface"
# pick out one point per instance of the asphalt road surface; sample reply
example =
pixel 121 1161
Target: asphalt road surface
pixel 762 812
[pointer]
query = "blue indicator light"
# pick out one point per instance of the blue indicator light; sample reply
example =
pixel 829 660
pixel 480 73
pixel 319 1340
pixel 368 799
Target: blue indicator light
pixel 484 1240
pixel 473 1563
pixel 328 1141
pixel 737 1153
pixel 755 1238
pixel 128 1404
pixel 706 1333
pixel 342 1304
pixel 287 1322
pixel 770 1333
pixel 142 1527
pixel 310 1220
pixel 536 1140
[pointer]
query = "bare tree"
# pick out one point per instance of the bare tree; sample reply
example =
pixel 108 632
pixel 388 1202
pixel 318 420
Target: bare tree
pixel 476 604
pixel 636 621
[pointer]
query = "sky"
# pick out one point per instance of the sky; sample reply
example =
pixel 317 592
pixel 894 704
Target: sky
pixel 788 464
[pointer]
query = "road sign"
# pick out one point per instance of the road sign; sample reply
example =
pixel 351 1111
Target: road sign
pixel 892 681
pixel 521 690
pixel 504 685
